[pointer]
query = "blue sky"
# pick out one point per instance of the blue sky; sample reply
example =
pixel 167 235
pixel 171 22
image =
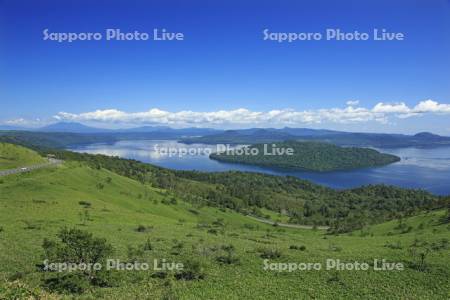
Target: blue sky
pixel 223 65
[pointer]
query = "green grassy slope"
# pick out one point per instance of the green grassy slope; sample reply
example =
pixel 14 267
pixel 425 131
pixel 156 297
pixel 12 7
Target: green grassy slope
pixel 13 156
pixel 35 205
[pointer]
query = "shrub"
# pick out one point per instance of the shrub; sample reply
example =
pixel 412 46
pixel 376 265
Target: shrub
pixel 440 245
pixel 229 257
pixel 160 275
pixel 403 227
pixel 228 248
pixel 134 253
pixel 29 225
pixel 219 222
pixel 193 211
pixel 396 246
pixel 406 229
pixel 16 276
pixel 147 245
pixel 419 251
pixel 192 270
pixel 38 201
pixel 143 228
pixel 84 216
pixel 446 218
pixel 86 204
pixel 334 278
pixel 74 247
pixel 270 253
pixel 295 247
pixel 171 201
pixel 202 225
pixel 177 247
pixel 249 226
pixel 213 231
pixel 68 283
pixel 19 290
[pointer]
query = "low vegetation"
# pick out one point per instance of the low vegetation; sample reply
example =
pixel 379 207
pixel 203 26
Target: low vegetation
pixel 223 252
pixel 12 156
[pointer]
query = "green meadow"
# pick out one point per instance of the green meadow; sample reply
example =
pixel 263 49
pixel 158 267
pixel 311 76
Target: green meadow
pixel 12 156
pixel 224 251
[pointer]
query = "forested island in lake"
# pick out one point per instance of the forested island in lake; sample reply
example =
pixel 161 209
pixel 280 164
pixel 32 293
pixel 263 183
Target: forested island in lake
pixel 314 156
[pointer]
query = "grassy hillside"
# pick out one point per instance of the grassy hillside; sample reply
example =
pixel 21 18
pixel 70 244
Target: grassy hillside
pixel 229 248
pixel 311 156
pixel 13 156
pixel 303 202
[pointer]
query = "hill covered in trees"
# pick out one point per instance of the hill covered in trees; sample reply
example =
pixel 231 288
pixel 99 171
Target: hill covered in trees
pixel 313 156
pixel 301 201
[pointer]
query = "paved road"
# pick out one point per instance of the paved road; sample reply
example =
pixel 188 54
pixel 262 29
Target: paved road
pixel 287 225
pixel 51 162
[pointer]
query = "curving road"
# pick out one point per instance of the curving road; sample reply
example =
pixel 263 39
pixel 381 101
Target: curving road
pixel 51 162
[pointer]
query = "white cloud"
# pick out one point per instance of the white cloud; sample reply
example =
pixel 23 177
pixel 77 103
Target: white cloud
pixel 428 106
pixel 352 103
pixel 21 122
pixel 380 113
pixel 400 108
pixel 16 122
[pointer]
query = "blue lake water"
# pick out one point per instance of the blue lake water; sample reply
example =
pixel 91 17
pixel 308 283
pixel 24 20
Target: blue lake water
pixel 427 169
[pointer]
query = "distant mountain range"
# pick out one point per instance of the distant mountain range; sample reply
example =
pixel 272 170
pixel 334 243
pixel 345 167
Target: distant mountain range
pixel 8 127
pixel 63 134
pixel 254 136
pixel 73 127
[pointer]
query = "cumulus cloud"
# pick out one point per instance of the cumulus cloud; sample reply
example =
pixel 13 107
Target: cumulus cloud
pixel 431 106
pixel 353 103
pixel 352 113
pixel 18 121
pixel 400 108
pixel 21 122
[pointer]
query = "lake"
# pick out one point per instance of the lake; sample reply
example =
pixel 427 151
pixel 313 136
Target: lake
pixel 420 168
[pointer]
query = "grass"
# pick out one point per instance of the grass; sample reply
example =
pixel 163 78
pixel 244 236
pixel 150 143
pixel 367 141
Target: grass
pixel 274 216
pixel 34 205
pixel 12 156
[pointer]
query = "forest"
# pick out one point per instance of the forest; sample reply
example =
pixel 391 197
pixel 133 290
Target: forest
pixel 312 156
pixel 301 201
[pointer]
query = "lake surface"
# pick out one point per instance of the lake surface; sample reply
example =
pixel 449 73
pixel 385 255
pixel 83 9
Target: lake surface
pixel 427 169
